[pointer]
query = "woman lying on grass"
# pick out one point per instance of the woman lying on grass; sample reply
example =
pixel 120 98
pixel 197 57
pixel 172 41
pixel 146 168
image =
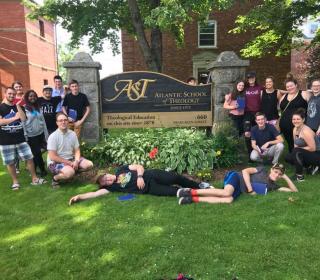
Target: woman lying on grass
pixel 135 179
pixel 236 183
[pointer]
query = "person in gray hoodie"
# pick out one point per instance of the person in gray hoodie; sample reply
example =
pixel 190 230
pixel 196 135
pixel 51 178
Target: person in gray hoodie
pixel 35 129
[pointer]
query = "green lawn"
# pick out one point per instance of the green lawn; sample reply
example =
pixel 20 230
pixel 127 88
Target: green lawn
pixel 271 237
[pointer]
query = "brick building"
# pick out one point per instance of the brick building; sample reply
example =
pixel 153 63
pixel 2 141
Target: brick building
pixel 202 46
pixel 27 48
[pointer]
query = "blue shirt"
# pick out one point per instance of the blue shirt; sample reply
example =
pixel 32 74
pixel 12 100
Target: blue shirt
pixel 262 136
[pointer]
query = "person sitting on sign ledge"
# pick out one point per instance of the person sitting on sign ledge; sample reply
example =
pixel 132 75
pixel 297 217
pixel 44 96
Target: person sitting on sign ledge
pixel 135 179
pixel 250 180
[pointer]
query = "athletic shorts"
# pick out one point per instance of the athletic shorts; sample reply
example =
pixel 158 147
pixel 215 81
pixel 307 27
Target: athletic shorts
pixel 232 178
pixel 10 153
pixel 56 167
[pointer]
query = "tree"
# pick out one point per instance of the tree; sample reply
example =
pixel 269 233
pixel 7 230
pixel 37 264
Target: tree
pixel 145 19
pixel 314 63
pixel 65 54
pixel 276 24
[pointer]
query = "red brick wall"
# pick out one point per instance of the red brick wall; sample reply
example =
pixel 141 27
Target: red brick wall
pixel 24 55
pixel 178 62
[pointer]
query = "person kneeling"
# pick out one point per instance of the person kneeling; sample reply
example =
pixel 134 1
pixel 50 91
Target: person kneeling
pixel 135 179
pixel 64 156
pixel 236 183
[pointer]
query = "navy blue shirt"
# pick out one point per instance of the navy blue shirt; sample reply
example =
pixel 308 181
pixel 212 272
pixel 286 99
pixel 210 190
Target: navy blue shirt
pixel 262 136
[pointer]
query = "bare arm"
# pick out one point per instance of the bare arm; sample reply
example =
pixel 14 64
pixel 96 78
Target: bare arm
pixel 308 136
pixel 226 104
pixel 10 120
pixel 254 146
pixel 140 171
pixel 87 195
pixel 246 177
pixel 306 95
pixel 280 93
pixel 291 186
pixel 21 113
pixel 54 157
pixel 86 114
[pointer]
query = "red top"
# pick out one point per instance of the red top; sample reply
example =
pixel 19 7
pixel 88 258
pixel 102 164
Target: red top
pixel 16 100
pixel 253 98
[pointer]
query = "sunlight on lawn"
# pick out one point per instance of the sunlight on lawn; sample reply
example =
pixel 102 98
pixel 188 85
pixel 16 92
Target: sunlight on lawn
pixel 148 214
pixel 82 213
pixel 283 227
pixel 154 231
pixel 26 233
pixel 108 257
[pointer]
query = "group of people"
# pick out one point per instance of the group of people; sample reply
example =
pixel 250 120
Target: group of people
pixel 265 115
pixel 30 125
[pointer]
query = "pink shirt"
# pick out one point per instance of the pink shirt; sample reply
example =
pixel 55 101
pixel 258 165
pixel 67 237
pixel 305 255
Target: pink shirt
pixel 231 102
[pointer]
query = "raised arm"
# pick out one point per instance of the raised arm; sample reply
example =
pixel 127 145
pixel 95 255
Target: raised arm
pixel 306 95
pixel 246 177
pixel 291 186
pixel 226 104
pixel 87 195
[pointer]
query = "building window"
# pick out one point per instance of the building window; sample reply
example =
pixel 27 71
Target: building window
pixel 41 27
pixel 45 82
pixel 207 34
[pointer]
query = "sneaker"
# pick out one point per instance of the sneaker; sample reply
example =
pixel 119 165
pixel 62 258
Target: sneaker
pixel 314 170
pixel 17 171
pixel 185 200
pixel 184 192
pixel 204 185
pixel 55 184
pixel 298 178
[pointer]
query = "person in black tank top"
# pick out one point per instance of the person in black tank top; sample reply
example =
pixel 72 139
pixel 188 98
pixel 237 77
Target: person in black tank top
pixel 292 101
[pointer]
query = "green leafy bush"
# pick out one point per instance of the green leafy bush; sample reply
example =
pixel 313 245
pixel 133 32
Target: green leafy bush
pixel 175 149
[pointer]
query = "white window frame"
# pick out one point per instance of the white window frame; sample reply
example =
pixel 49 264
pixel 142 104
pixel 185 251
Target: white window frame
pixel 215 35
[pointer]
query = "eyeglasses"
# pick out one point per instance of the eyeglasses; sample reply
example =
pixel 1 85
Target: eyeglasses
pixel 64 120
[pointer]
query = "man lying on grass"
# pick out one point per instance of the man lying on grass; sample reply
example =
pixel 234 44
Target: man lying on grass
pixel 236 183
pixel 135 179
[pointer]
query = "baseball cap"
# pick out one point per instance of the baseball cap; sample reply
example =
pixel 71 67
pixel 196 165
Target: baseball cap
pixel 251 74
pixel 46 87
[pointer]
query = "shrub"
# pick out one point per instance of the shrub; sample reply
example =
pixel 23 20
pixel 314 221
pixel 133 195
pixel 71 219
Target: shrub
pixel 175 149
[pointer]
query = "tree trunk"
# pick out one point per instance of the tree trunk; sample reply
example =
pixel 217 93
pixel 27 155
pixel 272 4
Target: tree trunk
pixel 150 54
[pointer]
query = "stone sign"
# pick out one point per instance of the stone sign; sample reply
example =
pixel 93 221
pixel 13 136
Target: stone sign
pixel 148 99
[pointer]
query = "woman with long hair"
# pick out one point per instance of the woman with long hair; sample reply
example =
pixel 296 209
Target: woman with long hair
pixel 289 103
pixel 233 102
pixel 306 151
pixel 36 129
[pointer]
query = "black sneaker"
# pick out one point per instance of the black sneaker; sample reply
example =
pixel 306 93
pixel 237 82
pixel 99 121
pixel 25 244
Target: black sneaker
pixel 185 200
pixel 55 184
pixel 298 178
pixel 184 192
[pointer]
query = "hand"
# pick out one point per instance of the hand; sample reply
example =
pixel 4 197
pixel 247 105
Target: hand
pixel 265 146
pixel 19 102
pixel 236 105
pixel 77 123
pixel 75 165
pixel 74 199
pixel 140 183
pixel 318 132
pixel 247 134
pixel 70 119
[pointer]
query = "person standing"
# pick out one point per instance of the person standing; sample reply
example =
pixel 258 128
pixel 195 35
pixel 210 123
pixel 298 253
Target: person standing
pixel 19 93
pixel 48 107
pixel 12 139
pixel 58 89
pixel 232 103
pixel 266 141
pixel 252 106
pixel 313 112
pixel 76 106
pixel 289 103
pixel 36 130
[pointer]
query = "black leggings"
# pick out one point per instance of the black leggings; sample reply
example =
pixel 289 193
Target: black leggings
pixel 161 182
pixel 238 123
pixel 302 158
pixel 248 122
pixel 35 144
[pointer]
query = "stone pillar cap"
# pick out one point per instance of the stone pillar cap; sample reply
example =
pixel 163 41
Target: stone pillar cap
pixel 82 60
pixel 228 59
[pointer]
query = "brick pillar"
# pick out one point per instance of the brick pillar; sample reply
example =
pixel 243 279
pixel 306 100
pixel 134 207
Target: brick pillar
pixel 86 71
pixel 225 71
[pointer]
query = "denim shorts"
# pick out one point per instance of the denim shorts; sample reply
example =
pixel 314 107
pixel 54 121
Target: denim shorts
pixel 55 167
pixel 10 153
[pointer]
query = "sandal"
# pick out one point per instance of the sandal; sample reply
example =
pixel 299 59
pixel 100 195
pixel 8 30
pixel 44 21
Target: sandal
pixel 15 186
pixel 39 181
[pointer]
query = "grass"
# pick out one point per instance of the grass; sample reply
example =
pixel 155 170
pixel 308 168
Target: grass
pixel 271 237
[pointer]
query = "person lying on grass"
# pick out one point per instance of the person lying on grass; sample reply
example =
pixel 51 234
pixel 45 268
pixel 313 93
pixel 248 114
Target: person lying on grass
pixel 236 183
pixel 135 179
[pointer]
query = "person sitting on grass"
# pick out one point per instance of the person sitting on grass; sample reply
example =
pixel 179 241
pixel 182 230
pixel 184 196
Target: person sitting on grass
pixel 135 179
pixel 64 156
pixel 236 183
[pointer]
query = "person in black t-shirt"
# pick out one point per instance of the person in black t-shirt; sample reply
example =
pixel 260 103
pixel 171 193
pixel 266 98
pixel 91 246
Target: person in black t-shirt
pixel 48 106
pixel 76 106
pixel 135 179
pixel 12 139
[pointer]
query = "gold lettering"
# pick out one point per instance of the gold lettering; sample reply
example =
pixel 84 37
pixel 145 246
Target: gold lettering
pixel 134 91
